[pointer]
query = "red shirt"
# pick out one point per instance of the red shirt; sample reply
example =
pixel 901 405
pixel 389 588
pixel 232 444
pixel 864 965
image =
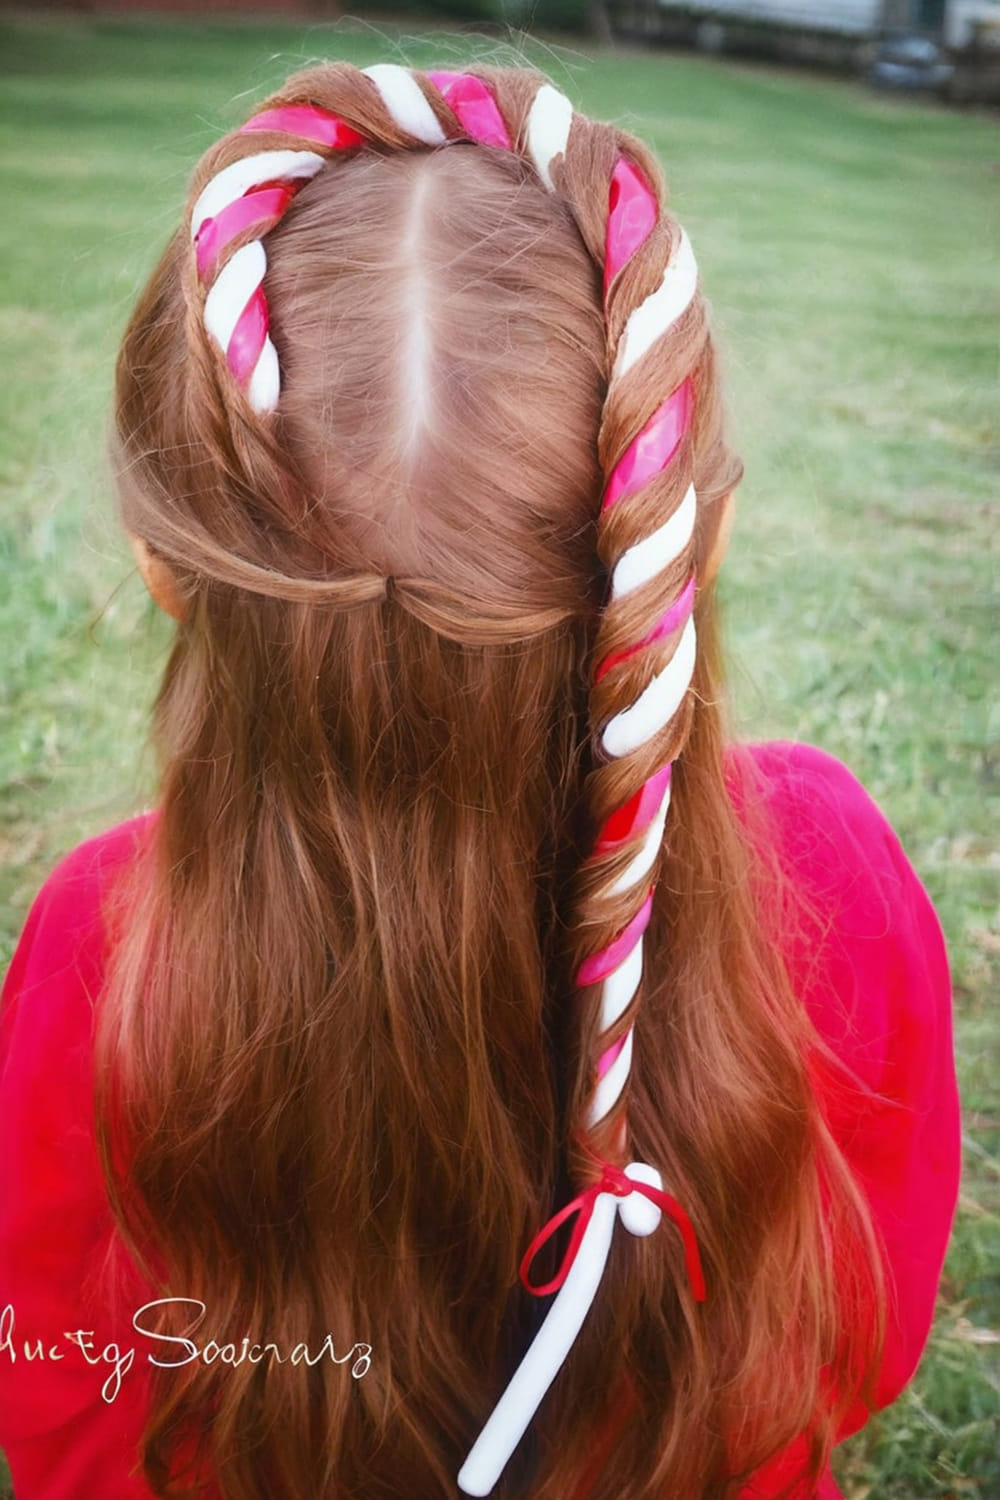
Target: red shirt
pixel 873 974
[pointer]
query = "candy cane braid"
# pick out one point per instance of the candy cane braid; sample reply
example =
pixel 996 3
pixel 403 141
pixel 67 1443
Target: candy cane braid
pixel 646 646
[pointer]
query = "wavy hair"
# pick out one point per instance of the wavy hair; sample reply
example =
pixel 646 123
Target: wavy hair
pixel 346 1064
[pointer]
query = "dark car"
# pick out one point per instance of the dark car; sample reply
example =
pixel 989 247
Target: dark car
pixel 908 61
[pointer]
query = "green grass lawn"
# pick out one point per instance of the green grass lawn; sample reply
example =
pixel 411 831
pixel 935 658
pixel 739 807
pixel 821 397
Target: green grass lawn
pixel 849 245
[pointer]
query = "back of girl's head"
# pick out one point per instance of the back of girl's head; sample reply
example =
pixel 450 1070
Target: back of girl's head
pixel 417 596
pixel 443 367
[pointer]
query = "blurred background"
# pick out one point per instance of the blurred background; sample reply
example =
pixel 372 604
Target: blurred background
pixel 837 167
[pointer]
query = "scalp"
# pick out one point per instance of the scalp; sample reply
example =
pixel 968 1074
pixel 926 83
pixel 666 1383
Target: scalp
pixel 444 367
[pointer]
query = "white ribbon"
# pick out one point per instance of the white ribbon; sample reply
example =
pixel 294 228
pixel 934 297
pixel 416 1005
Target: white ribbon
pixel 656 704
pixel 228 296
pixel 250 171
pixel 660 309
pixel 658 551
pixel 541 1364
pixel 405 100
pixel 549 120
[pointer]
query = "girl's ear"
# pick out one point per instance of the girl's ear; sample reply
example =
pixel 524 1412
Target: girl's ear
pixel 720 541
pixel 158 578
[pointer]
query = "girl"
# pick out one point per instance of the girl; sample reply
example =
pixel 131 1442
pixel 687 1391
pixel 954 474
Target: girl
pixel 475 1076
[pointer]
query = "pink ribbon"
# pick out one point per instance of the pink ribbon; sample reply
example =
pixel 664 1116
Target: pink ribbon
pixel 631 216
pixel 653 446
pixel 600 965
pixel 629 820
pixel 475 108
pixel 248 337
pixel 309 123
pixel 253 211
pixel 671 619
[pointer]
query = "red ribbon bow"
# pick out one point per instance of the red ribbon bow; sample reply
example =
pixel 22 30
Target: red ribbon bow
pixel 612 1180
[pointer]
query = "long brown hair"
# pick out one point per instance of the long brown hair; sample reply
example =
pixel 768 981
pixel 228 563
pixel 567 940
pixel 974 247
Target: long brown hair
pixel 343 1062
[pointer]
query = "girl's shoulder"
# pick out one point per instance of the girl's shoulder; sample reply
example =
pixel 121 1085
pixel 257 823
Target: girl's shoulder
pixel 861 937
pixel 61 1264
pixel 63 942
pixel 866 954
pixel 817 807
pixel 89 865
pixel 834 845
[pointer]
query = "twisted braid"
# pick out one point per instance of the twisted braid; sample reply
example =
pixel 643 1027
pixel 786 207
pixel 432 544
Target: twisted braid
pixel 645 648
